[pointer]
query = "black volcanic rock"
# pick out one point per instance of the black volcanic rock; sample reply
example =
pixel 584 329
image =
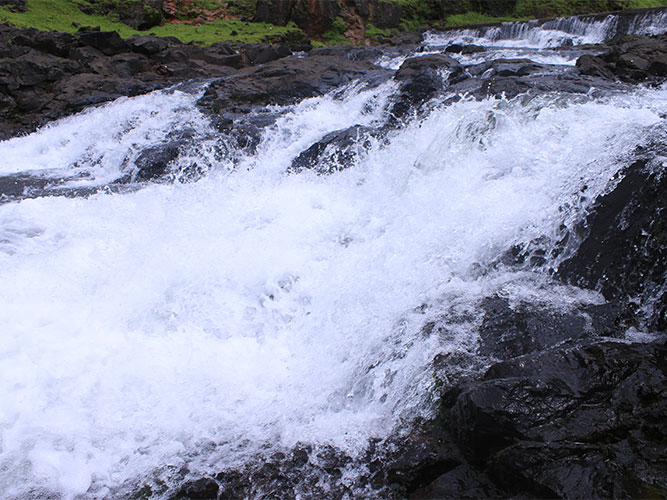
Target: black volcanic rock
pixel 421 79
pixel 582 421
pixel 624 249
pixel 47 75
pixel 335 151
pixel 630 59
pixel 237 104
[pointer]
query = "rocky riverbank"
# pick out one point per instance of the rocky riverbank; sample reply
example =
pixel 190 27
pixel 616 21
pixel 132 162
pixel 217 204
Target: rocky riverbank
pixel 553 403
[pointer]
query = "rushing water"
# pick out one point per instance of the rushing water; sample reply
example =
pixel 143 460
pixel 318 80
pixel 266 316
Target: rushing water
pixel 198 323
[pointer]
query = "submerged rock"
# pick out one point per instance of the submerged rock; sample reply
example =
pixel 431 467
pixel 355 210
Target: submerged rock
pixel 335 151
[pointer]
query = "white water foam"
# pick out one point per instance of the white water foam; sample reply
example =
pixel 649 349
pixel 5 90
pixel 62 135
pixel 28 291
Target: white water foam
pixel 551 34
pixel 100 144
pixel 191 324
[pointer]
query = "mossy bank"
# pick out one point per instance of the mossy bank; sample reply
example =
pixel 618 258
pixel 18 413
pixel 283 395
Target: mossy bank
pixel 322 22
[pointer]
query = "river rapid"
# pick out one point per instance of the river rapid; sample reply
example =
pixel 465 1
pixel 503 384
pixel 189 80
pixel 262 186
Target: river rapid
pixel 158 331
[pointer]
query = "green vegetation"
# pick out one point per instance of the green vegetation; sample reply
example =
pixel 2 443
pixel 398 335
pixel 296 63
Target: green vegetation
pixel 373 32
pixel 547 8
pixel 334 35
pixel 65 15
pixel 227 30
pixel 470 18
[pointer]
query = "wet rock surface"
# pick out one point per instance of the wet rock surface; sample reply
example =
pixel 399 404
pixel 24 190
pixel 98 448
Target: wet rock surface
pixel 238 104
pixel 629 59
pixel 48 75
pixel 630 221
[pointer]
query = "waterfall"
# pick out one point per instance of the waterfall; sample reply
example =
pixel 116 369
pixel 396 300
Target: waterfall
pixel 203 324
pixel 556 32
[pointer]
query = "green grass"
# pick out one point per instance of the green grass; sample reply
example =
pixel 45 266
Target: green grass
pixel 65 15
pixel 60 15
pixel 470 18
pixel 223 30
pixel 334 35
pixel 373 32
pixel 645 4
pixel 548 8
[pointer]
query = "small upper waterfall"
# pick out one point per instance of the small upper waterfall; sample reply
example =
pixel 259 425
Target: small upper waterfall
pixel 557 32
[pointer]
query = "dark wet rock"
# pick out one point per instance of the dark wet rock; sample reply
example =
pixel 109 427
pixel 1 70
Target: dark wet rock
pixel 154 161
pixel 585 421
pixel 282 82
pixel 200 489
pixel 422 78
pixel 263 53
pixel 464 49
pixel 350 52
pixel 403 39
pixel 623 251
pixel 510 331
pixel 47 75
pixel 237 104
pixel 594 66
pixel 57 44
pixel 462 482
pixel 639 58
pixel 147 45
pixel 630 59
pixel 335 151
pixel 107 42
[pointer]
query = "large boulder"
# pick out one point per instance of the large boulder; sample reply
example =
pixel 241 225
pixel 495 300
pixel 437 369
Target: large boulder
pixel 581 421
pixel 140 14
pixel 276 12
pixel 421 79
pixel 622 252
pixel 335 151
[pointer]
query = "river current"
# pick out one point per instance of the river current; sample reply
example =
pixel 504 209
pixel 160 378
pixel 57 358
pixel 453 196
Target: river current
pixel 203 324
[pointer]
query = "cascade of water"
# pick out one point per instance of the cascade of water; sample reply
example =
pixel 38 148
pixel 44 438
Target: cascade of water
pixel 256 307
pixel 204 324
pixel 554 33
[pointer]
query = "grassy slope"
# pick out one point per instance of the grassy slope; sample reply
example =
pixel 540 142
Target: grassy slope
pixel 65 15
pixel 526 9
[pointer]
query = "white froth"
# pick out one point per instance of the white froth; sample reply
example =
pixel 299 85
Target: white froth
pixel 193 323
pixel 551 34
pixel 100 144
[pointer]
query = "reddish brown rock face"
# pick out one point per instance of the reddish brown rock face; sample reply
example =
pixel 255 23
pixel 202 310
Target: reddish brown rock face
pixel 315 16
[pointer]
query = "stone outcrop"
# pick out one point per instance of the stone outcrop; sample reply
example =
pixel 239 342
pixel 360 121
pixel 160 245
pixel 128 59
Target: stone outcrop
pixel 630 59
pixel 48 75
